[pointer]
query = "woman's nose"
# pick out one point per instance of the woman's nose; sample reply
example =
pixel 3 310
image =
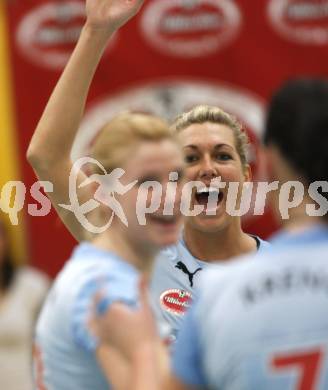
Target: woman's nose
pixel 208 169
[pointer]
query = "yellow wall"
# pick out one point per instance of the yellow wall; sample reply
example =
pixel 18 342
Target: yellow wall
pixel 9 161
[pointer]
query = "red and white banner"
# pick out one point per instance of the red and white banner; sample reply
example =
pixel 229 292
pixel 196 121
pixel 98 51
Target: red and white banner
pixel 173 55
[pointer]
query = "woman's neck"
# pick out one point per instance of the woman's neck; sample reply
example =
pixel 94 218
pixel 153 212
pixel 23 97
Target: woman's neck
pixel 117 242
pixel 223 245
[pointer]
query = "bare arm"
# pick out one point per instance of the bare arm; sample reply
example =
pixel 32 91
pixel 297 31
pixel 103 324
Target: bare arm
pixel 114 366
pixel 173 383
pixel 147 373
pixel 51 144
pixel 144 372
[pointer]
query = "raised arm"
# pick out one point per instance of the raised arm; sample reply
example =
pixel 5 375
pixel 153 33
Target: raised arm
pixel 51 144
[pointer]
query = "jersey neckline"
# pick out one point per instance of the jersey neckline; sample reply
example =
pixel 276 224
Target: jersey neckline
pixel 216 262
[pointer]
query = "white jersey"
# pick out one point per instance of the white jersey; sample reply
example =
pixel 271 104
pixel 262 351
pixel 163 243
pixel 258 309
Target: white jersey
pixel 263 322
pixel 175 275
pixel 64 357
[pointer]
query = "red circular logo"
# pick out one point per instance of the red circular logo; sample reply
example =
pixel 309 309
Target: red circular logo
pixel 190 28
pixel 47 34
pixel 300 21
pixel 176 301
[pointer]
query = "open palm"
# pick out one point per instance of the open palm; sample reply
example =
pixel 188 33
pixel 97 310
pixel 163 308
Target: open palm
pixel 111 14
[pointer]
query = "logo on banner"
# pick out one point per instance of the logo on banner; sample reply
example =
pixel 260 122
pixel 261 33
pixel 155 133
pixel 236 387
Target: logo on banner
pixel 300 21
pixel 190 28
pixel 47 34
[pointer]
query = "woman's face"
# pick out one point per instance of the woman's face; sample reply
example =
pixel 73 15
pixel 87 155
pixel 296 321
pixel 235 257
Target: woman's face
pixel 153 161
pixel 209 153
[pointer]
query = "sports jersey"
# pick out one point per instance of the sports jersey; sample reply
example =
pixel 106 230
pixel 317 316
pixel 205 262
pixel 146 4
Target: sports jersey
pixel 176 273
pixel 263 322
pixel 64 355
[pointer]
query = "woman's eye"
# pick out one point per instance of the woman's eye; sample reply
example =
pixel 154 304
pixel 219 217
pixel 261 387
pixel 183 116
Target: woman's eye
pixel 190 158
pixel 224 156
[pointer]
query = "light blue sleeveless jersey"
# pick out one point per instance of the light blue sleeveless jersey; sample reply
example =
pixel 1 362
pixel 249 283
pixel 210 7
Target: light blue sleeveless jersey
pixel 262 323
pixel 64 352
pixel 176 274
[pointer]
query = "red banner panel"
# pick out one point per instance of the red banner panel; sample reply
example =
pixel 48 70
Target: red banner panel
pixel 173 55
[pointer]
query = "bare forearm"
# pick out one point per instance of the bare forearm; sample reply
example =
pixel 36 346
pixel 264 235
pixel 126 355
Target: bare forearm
pixel 145 370
pixel 151 371
pixel 51 144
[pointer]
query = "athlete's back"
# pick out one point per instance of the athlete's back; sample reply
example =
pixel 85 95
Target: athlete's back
pixel 262 324
pixel 64 348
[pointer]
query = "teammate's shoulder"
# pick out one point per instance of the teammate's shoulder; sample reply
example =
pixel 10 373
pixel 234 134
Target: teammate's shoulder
pixel 88 256
pixel 218 279
pixel 225 269
pixel 90 265
pixel 219 275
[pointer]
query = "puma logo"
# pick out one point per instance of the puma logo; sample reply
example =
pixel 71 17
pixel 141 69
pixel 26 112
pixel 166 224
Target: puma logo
pixel 180 265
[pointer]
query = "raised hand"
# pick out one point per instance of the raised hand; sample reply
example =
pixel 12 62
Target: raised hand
pixel 111 14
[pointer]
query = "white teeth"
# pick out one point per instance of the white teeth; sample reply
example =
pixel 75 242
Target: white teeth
pixel 207 190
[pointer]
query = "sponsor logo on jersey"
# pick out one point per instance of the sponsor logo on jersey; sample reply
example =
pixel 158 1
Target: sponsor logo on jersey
pixel 300 21
pixel 176 301
pixel 182 266
pixel 190 28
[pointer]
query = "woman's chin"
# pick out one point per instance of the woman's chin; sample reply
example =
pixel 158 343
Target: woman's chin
pixel 208 224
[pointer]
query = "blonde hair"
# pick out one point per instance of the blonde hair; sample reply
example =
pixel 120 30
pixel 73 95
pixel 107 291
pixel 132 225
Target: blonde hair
pixel 123 133
pixel 203 113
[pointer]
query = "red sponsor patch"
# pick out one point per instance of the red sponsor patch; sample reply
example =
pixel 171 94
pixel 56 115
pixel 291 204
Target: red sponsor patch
pixel 176 301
